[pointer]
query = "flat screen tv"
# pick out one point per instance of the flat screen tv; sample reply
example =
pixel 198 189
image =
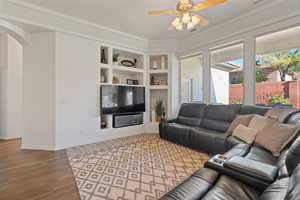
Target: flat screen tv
pixel 122 99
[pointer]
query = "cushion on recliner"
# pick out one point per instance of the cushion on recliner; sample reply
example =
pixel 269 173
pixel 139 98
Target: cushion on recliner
pixel 219 117
pixel 248 109
pixel 294 185
pixel 222 112
pixel 227 188
pixel 276 191
pixel 178 133
pixel 191 114
pixel 261 155
pixel 215 125
pixel 195 187
pixel 293 156
pixel 208 141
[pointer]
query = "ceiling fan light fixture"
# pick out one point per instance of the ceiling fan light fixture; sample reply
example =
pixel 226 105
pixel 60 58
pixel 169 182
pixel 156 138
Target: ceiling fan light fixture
pixel 195 20
pixel 190 26
pixel 176 22
pixel 179 27
pixel 186 19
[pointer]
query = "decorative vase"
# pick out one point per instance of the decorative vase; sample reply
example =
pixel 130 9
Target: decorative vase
pixel 158 118
pixel 103 57
pixel 115 80
pixel 102 78
pixel 155 66
pixel 163 62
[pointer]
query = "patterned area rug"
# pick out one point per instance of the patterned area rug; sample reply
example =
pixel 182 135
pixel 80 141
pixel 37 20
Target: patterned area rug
pixel 132 168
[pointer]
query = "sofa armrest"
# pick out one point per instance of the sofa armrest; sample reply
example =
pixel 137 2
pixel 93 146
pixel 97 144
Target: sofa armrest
pixel 262 171
pixel 232 141
pixel 253 173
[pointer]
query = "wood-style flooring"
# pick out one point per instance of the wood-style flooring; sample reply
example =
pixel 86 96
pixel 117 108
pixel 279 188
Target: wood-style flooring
pixel 35 175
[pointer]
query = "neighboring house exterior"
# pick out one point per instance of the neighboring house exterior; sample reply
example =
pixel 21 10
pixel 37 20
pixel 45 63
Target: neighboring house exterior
pixel 271 73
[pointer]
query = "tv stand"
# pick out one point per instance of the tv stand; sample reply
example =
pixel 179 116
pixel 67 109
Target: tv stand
pixel 127 119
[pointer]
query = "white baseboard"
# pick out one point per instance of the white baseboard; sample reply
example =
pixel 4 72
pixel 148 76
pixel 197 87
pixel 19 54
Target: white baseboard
pixel 8 138
pixel 38 147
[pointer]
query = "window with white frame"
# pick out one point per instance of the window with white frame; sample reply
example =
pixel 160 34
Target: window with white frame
pixel 192 79
pixel 227 75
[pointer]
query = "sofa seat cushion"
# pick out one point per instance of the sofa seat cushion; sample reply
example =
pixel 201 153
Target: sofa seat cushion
pixel 227 188
pixel 178 133
pixel 195 187
pixel 261 155
pixel 207 141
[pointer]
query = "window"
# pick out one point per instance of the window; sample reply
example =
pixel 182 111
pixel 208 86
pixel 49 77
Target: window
pixel 227 77
pixel 191 79
pixel 278 68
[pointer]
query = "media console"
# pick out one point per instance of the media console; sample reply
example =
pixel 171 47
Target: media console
pixel 127 119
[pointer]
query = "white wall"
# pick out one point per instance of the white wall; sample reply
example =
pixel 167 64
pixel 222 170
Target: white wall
pixel 11 87
pixel 76 90
pixel 61 93
pixel 39 92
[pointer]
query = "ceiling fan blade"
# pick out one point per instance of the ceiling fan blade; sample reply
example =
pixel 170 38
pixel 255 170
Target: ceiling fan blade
pixel 170 12
pixel 203 21
pixel 207 3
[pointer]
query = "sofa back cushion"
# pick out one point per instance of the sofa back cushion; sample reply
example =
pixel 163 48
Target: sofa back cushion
pixel 294 119
pixel 219 117
pixel 294 185
pixel 293 156
pixel 248 109
pixel 191 114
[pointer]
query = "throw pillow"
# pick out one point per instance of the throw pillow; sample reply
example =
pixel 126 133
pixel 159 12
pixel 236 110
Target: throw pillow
pixel 244 133
pixel 240 119
pixel 259 122
pixel 275 137
pixel 275 113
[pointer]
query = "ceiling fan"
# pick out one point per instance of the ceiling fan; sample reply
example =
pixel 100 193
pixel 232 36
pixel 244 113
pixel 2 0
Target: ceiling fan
pixel 186 19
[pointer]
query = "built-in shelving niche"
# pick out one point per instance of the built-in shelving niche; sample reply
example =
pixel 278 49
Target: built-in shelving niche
pixel 112 72
pixel 158 84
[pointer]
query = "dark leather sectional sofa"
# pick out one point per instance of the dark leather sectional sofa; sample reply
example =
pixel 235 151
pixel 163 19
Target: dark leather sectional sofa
pixel 254 172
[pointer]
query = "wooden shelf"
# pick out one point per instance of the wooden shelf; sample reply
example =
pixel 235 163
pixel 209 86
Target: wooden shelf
pixel 127 69
pixel 104 66
pixel 158 87
pixel 122 85
pixel 158 71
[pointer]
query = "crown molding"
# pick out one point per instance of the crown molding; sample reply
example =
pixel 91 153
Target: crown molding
pixel 31 14
pixel 76 19
pixel 18 33
pixel 34 15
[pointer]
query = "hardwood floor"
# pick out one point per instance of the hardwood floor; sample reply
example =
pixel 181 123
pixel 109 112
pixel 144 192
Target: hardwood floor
pixel 35 175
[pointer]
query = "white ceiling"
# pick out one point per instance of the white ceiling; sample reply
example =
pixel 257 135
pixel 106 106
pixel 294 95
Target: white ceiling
pixel 130 16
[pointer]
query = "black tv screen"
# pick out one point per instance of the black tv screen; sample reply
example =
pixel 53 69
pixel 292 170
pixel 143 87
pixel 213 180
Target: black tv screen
pixel 122 99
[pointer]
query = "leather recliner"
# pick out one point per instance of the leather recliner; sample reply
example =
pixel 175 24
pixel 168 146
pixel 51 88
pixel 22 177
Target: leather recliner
pixel 209 184
pixel 210 137
pixel 203 127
